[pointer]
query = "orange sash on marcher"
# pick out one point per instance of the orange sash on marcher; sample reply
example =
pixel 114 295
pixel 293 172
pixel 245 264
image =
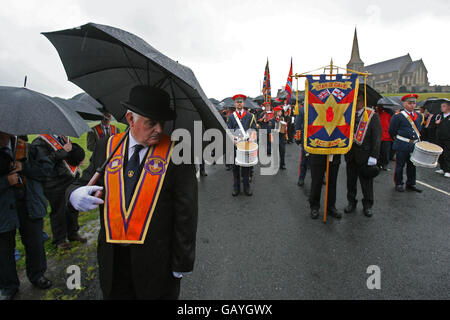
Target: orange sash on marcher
pixel 101 134
pixel 130 225
pixel 363 126
pixel 58 146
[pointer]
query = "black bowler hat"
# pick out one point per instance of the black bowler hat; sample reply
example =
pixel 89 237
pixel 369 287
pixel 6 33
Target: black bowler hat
pixel 150 102
pixel 370 172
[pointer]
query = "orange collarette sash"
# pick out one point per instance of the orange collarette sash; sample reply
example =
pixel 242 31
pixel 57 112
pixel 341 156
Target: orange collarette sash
pixel 58 146
pixel 362 127
pixel 101 134
pixel 130 225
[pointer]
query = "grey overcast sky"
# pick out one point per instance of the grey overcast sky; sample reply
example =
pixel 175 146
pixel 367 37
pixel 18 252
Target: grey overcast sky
pixel 226 43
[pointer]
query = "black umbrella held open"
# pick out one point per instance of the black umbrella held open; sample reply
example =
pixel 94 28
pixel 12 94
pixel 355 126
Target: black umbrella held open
pixel 372 95
pixel 85 110
pixel 107 62
pixel 88 100
pixel 24 111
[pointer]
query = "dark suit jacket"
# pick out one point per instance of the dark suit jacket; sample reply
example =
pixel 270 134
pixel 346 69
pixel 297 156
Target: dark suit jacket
pixel 400 126
pixel 170 242
pixel 370 146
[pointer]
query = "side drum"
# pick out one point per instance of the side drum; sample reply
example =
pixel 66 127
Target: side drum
pixel 426 154
pixel 246 154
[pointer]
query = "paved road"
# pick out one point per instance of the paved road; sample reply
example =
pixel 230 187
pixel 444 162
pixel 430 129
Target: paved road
pixel 267 246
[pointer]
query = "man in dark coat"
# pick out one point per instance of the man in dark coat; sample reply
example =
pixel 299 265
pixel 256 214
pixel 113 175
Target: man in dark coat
pixel 22 206
pixel 101 131
pixel 63 220
pixel 146 243
pixel 405 131
pixel 247 120
pixel 364 152
pixel 443 138
pixel 304 156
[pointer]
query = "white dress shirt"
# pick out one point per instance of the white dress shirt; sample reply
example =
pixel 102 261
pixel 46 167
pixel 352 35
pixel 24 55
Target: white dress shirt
pixel 131 145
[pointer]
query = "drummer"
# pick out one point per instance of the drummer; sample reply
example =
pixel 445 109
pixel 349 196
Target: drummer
pixel 404 129
pixel 241 118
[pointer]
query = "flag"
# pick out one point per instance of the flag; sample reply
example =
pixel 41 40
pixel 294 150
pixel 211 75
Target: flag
pixel 330 118
pixel 288 87
pixel 266 86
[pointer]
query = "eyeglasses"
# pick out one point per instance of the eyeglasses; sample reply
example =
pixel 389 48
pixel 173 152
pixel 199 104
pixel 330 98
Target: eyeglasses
pixel 239 101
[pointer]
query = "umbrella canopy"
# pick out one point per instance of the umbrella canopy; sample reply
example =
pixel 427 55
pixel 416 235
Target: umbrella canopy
pixel 372 95
pixel 108 62
pixel 25 111
pixel 259 99
pixel 87 100
pixel 433 105
pixel 388 103
pixel 248 103
pixel 86 111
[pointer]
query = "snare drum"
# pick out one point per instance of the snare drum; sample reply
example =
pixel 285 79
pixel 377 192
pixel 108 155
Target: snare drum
pixel 426 154
pixel 246 154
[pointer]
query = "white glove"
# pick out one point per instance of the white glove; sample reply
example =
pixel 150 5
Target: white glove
pixel 372 161
pixel 82 200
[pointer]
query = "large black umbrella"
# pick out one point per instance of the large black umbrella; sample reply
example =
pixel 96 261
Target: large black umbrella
pixel 433 105
pixel 372 95
pixel 24 111
pixel 85 110
pixel 87 100
pixel 259 99
pixel 107 62
pixel 389 103
pixel 248 103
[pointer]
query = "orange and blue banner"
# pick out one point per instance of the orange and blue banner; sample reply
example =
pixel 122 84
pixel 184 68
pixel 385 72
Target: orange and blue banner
pixel 330 114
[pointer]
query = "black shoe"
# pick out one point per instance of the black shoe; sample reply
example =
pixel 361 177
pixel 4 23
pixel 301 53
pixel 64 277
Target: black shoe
pixel 283 167
pixel 228 168
pixel 350 208
pixel 314 213
pixel 64 246
pixel 334 213
pixel 413 188
pixel 42 283
pixel 399 188
pixel 203 173
pixel 236 192
pixel 77 237
pixel 367 212
pixel 301 182
pixel 9 296
pixel 248 191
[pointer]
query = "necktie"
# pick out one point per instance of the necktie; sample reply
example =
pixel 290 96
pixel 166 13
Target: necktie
pixel 132 174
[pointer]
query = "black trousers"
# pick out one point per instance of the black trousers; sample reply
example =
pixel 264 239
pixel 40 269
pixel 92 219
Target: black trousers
pixel 282 148
pixel 353 174
pixel 122 287
pixel 63 220
pixel 444 158
pixel 402 159
pixel 239 172
pixel 317 174
pixel 32 239
pixel 385 152
pixel 304 163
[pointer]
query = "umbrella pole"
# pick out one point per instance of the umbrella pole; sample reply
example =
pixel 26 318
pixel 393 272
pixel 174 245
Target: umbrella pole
pixel 100 171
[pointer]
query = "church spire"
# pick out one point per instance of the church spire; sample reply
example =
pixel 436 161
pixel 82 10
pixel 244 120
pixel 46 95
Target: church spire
pixel 355 62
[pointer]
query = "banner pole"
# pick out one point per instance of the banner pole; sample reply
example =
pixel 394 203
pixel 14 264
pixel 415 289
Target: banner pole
pixel 328 162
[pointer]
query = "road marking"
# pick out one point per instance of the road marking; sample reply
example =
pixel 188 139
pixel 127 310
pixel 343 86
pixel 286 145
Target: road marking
pixel 427 185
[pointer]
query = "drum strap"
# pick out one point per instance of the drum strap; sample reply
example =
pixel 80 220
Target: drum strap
pixel 411 122
pixel 240 125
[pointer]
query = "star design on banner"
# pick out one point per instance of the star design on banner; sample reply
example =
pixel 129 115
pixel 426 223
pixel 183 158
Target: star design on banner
pixel 330 114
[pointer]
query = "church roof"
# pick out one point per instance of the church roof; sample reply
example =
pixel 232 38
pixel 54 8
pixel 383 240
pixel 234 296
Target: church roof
pixel 412 66
pixel 389 65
